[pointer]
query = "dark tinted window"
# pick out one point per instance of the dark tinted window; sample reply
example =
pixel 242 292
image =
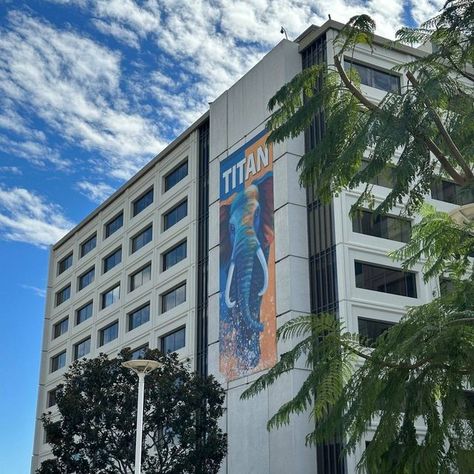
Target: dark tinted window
pixel 141 239
pixel 371 329
pixel 384 226
pixel 451 192
pixel 140 277
pixel 63 295
pixel 142 202
pixel 84 313
pixel 139 352
pixel 112 260
pixel 385 178
pixel 173 298
pixel 110 297
pixel 446 286
pixel 87 278
pixel 114 225
pixel 175 176
pixel 108 334
pixel 52 397
pixel 82 348
pixel 58 361
pixel 64 264
pixel 138 317
pixel 173 341
pixel 175 215
pixel 60 328
pixel 384 279
pixel 174 255
pixel 373 77
pixel 88 245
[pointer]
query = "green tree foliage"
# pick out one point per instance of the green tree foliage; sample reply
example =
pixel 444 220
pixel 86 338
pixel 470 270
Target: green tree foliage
pixel 94 431
pixel 417 373
pixel 432 118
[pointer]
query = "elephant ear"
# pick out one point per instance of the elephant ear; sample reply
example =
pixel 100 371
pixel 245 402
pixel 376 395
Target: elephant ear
pixel 225 243
pixel 265 199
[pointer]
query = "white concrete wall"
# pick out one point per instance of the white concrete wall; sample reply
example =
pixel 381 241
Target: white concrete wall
pixel 235 118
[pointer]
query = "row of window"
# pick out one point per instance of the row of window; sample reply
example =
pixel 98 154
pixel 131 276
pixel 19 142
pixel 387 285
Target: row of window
pixel 138 205
pixel 137 317
pixel 168 343
pixel 441 189
pixel 169 258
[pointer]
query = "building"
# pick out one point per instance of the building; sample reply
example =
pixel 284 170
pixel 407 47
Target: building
pixel 214 244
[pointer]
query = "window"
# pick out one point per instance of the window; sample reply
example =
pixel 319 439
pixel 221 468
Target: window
pixel 86 278
pixel 448 191
pixel 175 176
pixel 142 202
pixel 173 298
pixel 51 397
pixel 372 329
pixel 374 77
pixel 108 334
pixel 139 352
pixel 174 255
pixel 84 313
pixel 58 361
pixel 173 341
pixel 383 226
pixel 82 348
pixel 114 225
pixel 141 239
pixel 140 277
pixel 385 178
pixel 446 286
pixel 88 245
pixel 60 328
pixel 385 279
pixel 63 295
pixel 138 317
pixel 175 214
pixel 112 260
pixel 64 263
pixel 110 297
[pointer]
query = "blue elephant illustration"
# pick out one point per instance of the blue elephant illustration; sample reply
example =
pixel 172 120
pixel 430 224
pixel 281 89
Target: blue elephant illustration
pixel 246 236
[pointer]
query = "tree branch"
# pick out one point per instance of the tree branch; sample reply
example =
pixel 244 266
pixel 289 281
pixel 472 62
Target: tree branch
pixel 374 108
pixel 457 155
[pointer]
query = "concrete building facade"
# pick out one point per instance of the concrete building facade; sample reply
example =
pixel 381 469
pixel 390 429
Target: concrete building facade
pixel 146 267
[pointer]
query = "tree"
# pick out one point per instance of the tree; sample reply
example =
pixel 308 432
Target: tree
pixel 421 367
pixel 95 430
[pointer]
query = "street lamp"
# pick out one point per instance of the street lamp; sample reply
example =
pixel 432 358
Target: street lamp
pixel 141 367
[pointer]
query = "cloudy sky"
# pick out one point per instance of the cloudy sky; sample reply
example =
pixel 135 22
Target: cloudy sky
pixel 90 90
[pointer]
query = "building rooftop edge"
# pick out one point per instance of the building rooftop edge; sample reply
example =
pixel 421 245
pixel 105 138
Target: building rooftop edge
pixel 174 144
pixel 313 31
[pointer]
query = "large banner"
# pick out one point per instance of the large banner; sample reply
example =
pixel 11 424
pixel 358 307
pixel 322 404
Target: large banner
pixel 247 325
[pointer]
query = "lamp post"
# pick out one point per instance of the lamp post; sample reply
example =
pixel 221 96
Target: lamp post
pixel 141 367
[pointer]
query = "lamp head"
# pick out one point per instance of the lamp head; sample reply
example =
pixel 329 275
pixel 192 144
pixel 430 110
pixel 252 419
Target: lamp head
pixel 142 366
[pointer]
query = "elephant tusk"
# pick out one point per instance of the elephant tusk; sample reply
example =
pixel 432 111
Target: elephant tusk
pixel 263 263
pixel 230 274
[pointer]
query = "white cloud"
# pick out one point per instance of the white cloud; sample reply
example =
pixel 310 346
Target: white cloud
pixel 41 292
pixel 422 10
pixel 73 84
pixel 119 32
pixel 11 170
pixel 96 192
pixel 28 217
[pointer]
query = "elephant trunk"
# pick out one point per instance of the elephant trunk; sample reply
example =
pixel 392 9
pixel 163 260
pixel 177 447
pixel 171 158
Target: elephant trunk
pixel 228 283
pixel 243 270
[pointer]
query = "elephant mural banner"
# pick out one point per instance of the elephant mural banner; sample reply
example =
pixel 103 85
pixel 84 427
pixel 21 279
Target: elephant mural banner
pixel 247 319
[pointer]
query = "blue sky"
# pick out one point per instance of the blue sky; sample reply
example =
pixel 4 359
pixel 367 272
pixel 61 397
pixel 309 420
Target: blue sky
pixel 90 90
